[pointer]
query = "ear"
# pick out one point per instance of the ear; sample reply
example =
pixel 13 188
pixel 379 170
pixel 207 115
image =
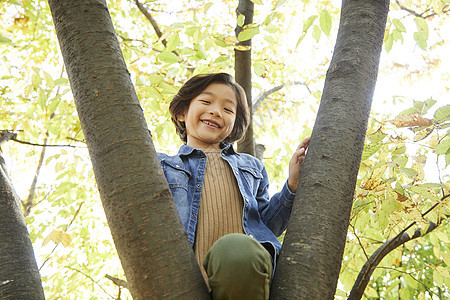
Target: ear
pixel 181 118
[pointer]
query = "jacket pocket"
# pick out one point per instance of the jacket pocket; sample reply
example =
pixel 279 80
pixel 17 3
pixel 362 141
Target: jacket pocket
pixel 177 177
pixel 252 176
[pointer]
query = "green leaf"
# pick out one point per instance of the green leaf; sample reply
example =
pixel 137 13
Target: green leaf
pixel 167 88
pixel 325 21
pixel 422 26
pixel 5 40
pixel 279 3
pixel 248 32
pixel 222 58
pixel 428 104
pixel 240 20
pixel 370 149
pixel 424 192
pixel 376 137
pixel 260 69
pixel 300 39
pixel 49 80
pixel 308 23
pixel 411 173
pixel 389 43
pixel 442 114
pixel 173 42
pixel 201 53
pixel 270 39
pixel 399 25
pixel 443 147
pixel 411 282
pixel 168 57
pixel 61 81
pixel 155 78
pixel 421 40
pixel 53 104
pixel 207 7
pixel 316 33
pixel 258 2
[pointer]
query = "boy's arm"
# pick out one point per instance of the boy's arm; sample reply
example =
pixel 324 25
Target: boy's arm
pixel 276 212
pixel 296 163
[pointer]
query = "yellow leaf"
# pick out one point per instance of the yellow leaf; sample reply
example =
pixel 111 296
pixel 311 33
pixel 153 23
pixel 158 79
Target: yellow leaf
pixel 446 258
pixel 443 271
pixel 58 236
pixel 411 120
pixel 420 173
pixel 242 48
pixel 230 40
pixel 423 134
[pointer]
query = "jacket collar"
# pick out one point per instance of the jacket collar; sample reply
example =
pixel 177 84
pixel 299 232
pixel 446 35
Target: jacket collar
pixel 186 150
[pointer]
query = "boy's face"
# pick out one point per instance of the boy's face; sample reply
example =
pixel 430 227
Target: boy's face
pixel 210 116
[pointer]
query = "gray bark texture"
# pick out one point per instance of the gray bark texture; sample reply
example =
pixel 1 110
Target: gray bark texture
pixel 312 252
pixel 149 237
pixel 19 275
pixel 243 74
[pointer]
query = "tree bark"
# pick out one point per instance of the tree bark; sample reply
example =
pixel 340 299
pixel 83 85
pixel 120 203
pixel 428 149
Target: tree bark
pixel 243 73
pixel 19 275
pixel 149 237
pixel 312 252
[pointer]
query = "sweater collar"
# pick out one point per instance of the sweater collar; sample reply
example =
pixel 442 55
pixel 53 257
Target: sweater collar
pixel 186 150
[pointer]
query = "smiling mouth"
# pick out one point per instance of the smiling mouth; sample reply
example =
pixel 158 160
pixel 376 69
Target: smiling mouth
pixel 215 125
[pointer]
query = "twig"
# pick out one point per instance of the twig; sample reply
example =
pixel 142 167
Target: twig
pixel 67 228
pixel 117 281
pixel 90 278
pixel 40 145
pixel 264 95
pixel 359 241
pixel 422 15
pixel 29 203
pixel 407 273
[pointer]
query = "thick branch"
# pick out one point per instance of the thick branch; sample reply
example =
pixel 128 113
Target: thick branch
pixel 369 267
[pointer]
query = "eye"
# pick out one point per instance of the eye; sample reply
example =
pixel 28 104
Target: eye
pixel 229 110
pixel 205 101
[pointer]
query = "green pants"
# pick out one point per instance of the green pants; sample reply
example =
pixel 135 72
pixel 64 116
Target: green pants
pixel 238 267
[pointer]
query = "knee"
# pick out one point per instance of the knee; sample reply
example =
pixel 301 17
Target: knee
pixel 238 253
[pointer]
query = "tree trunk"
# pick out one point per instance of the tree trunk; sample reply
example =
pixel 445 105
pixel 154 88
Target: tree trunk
pixel 149 237
pixel 312 252
pixel 19 275
pixel 243 73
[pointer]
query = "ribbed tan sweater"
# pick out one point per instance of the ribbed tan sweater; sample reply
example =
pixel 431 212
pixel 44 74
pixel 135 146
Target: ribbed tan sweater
pixel 221 206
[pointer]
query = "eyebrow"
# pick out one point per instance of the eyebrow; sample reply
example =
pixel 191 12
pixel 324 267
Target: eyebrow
pixel 226 99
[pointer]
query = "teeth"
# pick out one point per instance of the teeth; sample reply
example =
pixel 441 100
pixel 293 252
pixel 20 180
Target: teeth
pixel 211 124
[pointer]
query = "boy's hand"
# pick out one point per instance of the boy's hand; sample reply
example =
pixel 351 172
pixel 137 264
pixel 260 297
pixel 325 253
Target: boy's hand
pixel 296 163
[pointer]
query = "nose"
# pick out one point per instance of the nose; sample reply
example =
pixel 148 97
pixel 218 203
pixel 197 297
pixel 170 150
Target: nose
pixel 215 112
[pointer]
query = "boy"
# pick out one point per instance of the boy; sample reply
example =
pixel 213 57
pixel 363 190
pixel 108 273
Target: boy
pixel 222 196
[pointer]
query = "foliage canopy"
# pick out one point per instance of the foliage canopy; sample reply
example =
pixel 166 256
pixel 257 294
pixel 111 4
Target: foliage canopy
pixel 404 170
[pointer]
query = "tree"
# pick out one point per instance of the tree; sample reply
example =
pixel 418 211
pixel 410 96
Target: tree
pixel 311 256
pixel 19 276
pixel 291 44
pixel 148 234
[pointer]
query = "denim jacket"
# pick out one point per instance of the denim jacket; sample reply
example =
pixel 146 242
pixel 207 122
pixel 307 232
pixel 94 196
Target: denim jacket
pixel 263 219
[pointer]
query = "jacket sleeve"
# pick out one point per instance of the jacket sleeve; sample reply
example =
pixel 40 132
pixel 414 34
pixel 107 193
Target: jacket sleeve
pixel 275 212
